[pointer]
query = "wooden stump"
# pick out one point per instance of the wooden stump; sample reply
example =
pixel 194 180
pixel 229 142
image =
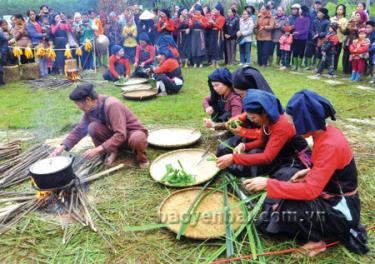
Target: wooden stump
pixel 30 71
pixel 11 73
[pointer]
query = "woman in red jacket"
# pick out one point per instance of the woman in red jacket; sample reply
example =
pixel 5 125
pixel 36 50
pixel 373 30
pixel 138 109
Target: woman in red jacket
pixel 165 24
pixel 321 203
pixel 119 66
pixel 168 74
pixel 279 146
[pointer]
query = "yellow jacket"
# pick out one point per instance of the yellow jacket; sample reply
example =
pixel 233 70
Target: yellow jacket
pixel 130 41
pixel 343 23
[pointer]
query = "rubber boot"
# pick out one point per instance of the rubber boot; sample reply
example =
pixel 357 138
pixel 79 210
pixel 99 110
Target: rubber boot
pixel 307 64
pixel 353 76
pixel 357 77
pixel 278 59
pixel 299 64
pixel 2 79
pixel 270 60
pixel 295 64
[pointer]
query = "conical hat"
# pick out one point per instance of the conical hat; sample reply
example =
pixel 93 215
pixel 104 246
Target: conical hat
pixel 146 15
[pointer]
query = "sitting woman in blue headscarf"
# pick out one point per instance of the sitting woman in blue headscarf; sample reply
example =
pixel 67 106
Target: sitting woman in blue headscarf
pixel 321 203
pixel 119 67
pixel 223 103
pixel 144 56
pixel 168 42
pixel 279 152
pixel 168 74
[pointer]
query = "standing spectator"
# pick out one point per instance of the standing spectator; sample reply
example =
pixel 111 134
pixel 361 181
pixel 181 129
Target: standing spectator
pixel 281 20
pixel 165 24
pixel 88 28
pixel 4 50
pixel 252 12
pixel 246 35
pixel 230 34
pixel 136 15
pixel 300 36
pixel 198 25
pixel 328 50
pixel 319 32
pixel 184 36
pixel 130 40
pixel 216 40
pixel 272 7
pixel 113 31
pixel 286 41
pixel 37 37
pixel 361 6
pixel 20 36
pixel 60 38
pixel 314 10
pixel 354 24
pixel 296 9
pixel 359 54
pixel 124 17
pixel 370 29
pixel 264 26
pixel 43 12
pixel 342 22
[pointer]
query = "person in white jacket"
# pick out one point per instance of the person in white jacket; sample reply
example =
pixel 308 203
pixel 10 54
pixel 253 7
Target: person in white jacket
pixel 245 37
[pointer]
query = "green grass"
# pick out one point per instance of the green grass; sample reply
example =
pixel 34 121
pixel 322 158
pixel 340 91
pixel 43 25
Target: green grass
pixel 131 198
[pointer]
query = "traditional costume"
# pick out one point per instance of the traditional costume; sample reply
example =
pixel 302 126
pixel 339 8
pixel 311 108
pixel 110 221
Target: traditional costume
pixel 118 66
pixel 198 25
pixel 144 56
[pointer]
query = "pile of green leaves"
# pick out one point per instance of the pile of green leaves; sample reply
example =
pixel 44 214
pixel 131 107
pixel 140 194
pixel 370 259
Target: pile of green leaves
pixel 233 124
pixel 177 177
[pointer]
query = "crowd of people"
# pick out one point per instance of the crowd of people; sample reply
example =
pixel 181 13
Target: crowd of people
pixel 308 38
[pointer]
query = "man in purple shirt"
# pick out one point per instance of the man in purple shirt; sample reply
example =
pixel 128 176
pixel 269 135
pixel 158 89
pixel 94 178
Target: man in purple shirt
pixel 110 124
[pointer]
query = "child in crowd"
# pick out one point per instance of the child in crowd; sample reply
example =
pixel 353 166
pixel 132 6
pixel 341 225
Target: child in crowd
pixel 328 51
pixel 370 28
pixel 358 55
pixel 286 41
pixel 130 34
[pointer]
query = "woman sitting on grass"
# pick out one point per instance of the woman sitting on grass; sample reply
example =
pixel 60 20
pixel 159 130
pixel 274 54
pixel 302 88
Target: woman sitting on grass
pixel 118 65
pixel 223 103
pixel 168 74
pixel 322 203
pixel 279 146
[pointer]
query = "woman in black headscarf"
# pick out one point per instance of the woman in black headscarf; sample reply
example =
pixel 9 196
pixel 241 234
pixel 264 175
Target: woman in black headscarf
pixel 319 204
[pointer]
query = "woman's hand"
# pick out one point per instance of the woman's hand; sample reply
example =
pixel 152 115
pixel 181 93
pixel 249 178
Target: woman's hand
pixel 208 123
pixel 240 148
pixel 256 184
pixel 225 161
pixel 299 176
pixel 209 110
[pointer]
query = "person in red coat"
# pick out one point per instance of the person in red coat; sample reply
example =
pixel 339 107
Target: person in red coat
pixel 165 24
pixel 118 65
pixel 278 147
pixel 144 56
pixel 320 203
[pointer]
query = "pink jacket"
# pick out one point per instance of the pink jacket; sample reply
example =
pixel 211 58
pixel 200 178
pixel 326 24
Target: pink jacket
pixel 286 42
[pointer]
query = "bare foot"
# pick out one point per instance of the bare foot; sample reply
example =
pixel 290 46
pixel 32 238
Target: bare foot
pixel 310 249
pixel 111 158
pixel 144 165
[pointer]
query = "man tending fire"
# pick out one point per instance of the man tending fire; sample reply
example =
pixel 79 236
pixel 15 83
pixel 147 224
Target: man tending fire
pixel 110 124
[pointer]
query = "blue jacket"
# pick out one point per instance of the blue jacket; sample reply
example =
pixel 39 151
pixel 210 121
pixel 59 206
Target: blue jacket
pixel 320 28
pixel 34 35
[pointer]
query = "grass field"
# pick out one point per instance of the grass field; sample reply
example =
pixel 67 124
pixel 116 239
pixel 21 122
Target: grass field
pixel 131 198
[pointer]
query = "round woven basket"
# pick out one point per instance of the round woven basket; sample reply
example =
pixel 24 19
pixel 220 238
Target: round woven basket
pixel 194 162
pixel 174 137
pixel 140 95
pixel 134 81
pixel 136 87
pixel 208 221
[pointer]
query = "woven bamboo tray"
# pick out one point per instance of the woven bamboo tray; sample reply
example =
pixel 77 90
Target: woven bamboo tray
pixel 140 95
pixel 136 87
pixel 132 81
pixel 209 223
pixel 174 137
pixel 189 159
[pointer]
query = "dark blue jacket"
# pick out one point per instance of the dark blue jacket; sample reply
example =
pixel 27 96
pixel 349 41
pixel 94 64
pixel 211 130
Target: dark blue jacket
pixel 231 27
pixel 34 35
pixel 320 28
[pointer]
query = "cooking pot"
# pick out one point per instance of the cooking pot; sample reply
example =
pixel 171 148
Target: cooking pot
pixel 52 173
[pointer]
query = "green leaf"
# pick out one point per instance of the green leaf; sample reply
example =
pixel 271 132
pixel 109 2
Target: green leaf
pixel 228 225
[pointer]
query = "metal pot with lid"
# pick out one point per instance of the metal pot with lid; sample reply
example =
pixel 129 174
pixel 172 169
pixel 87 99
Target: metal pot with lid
pixel 52 173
